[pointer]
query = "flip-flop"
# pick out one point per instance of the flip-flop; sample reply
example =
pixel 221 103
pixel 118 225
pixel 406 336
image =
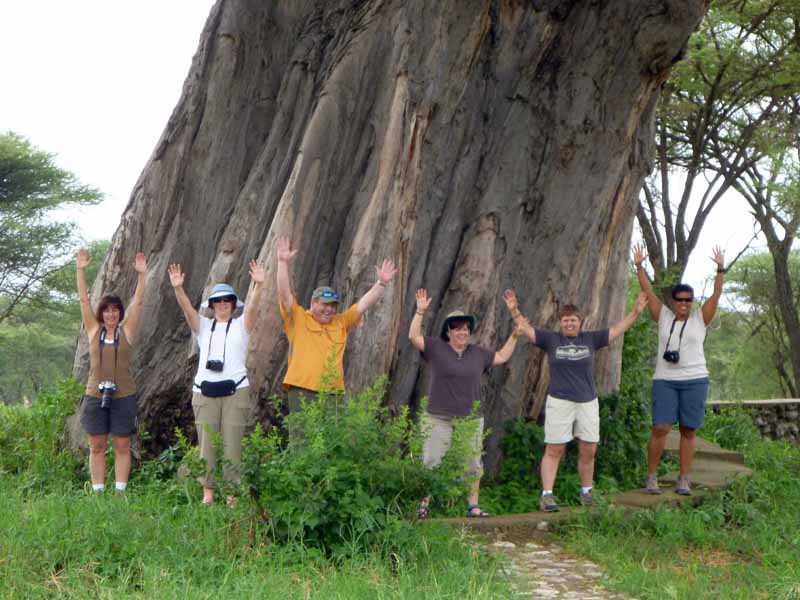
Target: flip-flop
pixel 476 515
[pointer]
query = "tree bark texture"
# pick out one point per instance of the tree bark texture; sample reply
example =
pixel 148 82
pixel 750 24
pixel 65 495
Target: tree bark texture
pixel 481 144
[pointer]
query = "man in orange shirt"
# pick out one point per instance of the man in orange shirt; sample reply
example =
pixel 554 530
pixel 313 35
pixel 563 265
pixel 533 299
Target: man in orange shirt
pixel 318 335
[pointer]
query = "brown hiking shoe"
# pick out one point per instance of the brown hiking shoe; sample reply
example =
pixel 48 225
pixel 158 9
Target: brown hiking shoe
pixel 587 499
pixel 548 503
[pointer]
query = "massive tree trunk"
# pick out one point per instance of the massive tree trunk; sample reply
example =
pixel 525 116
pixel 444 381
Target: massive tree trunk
pixel 481 144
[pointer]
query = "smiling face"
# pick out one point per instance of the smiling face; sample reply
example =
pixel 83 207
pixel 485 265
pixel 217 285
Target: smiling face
pixel 323 312
pixel 223 308
pixel 682 304
pixel 570 325
pixel 458 332
pixel 111 316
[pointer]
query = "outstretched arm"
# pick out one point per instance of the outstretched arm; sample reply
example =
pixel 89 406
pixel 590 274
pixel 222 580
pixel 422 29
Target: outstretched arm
pixel 385 273
pixel 176 277
pixel 709 308
pixel 504 354
pixel 521 322
pixel 253 298
pixel 133 317
pixel 653 303
pixel 285 255
pixel 617 329
pixel 415 331
pixel 90 323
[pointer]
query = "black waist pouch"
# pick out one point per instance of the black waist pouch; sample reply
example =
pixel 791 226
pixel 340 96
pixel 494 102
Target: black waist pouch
pixel 219 389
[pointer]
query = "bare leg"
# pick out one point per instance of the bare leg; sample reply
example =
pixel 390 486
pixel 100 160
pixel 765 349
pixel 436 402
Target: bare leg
pixel 688 443
pixel 586 454
pixel 122 457
pixel 655 448
pixel 208 495
pixel 550 460
pixel 97 458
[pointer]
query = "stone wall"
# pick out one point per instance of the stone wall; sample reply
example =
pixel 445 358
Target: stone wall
pixel 775 419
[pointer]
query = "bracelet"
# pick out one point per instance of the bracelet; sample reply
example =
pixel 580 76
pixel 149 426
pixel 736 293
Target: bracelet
pixel 516 314
pixel 721 271
pixel 380 283
pixel 421 314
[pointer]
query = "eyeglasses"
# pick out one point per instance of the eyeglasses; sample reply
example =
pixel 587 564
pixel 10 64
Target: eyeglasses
pixel 683 299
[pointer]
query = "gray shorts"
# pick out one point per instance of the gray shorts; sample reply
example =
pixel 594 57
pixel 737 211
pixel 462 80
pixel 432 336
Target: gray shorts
pixel 120 419
pixel 438 435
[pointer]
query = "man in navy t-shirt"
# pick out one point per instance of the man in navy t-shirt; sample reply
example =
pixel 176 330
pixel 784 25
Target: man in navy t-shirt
pixel 571 409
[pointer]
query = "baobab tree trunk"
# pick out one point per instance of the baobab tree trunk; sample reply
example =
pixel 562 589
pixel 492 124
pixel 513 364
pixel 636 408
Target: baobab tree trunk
pixel 483 144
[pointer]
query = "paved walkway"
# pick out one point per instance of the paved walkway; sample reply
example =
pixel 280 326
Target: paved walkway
pixel 544 571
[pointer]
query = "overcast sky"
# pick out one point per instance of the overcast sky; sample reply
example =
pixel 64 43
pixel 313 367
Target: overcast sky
pixel 95 82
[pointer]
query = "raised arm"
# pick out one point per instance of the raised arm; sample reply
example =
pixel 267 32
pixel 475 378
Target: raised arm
pixel 653 303
pixel 504 354
pixel 90 323
pixel 617 329
pixel 386 273
pixel 285 255
pixel 176 277
pixel 253 298
pixel 521 322
pixel 415 331
pixel 709 308
pixel 133 316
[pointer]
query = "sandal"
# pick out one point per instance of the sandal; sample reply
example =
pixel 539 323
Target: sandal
pixel 423 511
pixel 476 515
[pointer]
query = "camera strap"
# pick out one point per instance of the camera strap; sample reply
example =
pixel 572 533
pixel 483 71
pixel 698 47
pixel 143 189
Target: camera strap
pixel 224 343
pixel 680 335
pixel 101 340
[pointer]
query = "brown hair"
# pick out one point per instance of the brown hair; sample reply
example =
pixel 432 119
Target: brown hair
pixel 569 310
pixel 105 302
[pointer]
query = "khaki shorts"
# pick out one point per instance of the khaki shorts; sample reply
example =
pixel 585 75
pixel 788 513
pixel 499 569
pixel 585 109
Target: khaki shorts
pixel 438 434
pixel 565 420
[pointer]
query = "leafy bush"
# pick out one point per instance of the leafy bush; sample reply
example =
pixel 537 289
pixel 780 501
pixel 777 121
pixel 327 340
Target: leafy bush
pixel 32 442
pixel 732 428
pixel 352 472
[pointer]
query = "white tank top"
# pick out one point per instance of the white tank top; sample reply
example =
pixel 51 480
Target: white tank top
pixel 234 349
pixel 692 363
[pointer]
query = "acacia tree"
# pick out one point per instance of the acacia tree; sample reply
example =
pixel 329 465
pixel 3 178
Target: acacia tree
pixel 716 121
pixel 32 245
pixel 481 144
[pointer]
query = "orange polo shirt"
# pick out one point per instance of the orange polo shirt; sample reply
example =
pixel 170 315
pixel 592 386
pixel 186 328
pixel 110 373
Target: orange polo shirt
pixel 312 344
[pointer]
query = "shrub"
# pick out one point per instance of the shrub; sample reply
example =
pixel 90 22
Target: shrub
pixel 732 428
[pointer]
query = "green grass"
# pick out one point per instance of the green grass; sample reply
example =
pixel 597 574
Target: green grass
pixel 743 542
pixel 154 543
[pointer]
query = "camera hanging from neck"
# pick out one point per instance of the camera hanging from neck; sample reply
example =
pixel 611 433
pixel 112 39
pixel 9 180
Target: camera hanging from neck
pixel 680 335
pixel 102 340
pixel 224 343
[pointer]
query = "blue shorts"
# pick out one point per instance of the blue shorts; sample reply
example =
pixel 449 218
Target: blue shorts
pixel 680 401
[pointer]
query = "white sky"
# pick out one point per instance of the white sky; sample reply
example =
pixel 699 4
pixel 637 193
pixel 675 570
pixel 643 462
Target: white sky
pixel 94 82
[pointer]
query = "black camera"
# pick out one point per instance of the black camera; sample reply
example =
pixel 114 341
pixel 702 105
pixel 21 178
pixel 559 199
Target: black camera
pixel 214 365
pixel 107 389
pixel 672 356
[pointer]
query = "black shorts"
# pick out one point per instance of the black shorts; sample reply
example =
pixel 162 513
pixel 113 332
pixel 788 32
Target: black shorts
pixel 120 419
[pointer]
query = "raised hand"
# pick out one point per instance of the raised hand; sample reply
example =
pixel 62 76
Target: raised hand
pixel 83 258
pixel 638 255
pixel 641 303
pixel 719 257
pixel 523 327
pixel 510 298
pixel 386 271
pixel 256 272
pixel 176 276
pixel 140 263
pixel 423 300
pixel 283 248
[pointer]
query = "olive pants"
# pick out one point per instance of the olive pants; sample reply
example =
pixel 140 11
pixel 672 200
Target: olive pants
pixel 231 415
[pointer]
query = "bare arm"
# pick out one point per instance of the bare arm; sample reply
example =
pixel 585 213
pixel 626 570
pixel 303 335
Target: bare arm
pixel 504 354
pixel 617 329
pixel 385 273
pixel 176 277
pixel 709 308
pixel 285 255
pixel 653 302
pixel 90 323
pixel 253 298
pixel 134 313
pixel 415 331
pixel 520 321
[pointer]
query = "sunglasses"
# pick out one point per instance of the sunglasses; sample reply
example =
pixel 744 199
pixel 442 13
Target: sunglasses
pixel 683 299
pixel 223 299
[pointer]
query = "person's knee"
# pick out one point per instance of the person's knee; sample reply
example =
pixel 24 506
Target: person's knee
pixel 587 451
pixel 121 444
pixel 660 431
pixel 98 445
pixel 554 450
pixel 687 432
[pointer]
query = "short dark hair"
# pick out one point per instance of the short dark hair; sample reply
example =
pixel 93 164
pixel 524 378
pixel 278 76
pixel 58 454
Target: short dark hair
pixel 110 300
pixel 455 323
pixel 682 287
pixel 569 310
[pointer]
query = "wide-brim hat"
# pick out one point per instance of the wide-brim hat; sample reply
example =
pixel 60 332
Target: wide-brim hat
pixel 326 295
pixel 457 315
pixel 222 290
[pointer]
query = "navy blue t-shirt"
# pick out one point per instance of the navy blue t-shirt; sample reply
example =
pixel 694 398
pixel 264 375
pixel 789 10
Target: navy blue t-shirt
pixel 571 361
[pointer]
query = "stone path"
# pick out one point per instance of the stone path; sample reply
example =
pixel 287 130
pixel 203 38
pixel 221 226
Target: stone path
pixel 540 571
